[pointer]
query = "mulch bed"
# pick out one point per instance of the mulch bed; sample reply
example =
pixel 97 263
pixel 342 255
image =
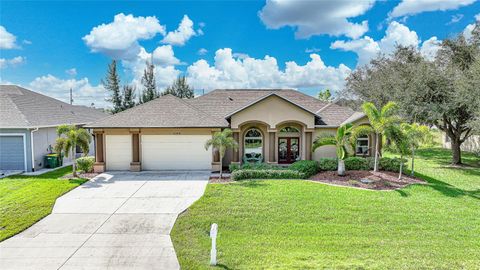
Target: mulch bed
pixel 80 175
pixel 381 180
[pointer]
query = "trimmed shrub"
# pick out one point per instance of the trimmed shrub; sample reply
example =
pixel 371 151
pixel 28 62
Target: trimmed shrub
pixel 266 174
pixel 391 164
pixel 85 164
pixel 356 163
pixel 233 167
pixel 328 164
pixel 307 167
pixel 260 166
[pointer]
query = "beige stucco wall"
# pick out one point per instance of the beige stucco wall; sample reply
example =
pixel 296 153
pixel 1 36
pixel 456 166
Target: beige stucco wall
pixel 273 111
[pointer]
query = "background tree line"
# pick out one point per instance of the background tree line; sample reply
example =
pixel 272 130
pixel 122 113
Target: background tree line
pixel 124 97
pixel 444 93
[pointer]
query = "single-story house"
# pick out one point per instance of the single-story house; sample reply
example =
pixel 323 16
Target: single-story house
pixel 28 122
pixel 169 133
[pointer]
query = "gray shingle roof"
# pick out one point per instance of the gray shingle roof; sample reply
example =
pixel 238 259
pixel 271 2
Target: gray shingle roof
pixel 211 109
pixel 22 108
pixel 166 111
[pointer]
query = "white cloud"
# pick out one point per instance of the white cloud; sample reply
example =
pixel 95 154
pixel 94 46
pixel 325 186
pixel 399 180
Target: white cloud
pixel 455 18
pixel 7 40
pixel 182 34
pixel 411 7
pixel 71 71
pixel 317 17
pixel 430 48
pixel 83 92
pixel 12 62
pixel 229 71
pixel 27 42
pixel 164 56
pixel 367 48
pixel 119 39
pixel 467 32
pixel 202 51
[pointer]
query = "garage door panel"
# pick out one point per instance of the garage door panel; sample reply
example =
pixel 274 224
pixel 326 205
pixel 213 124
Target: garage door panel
pixel 12 153
pixel 118 152
pixel 175 152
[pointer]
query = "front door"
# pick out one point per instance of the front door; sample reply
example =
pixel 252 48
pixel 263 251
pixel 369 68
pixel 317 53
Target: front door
pixel 288 150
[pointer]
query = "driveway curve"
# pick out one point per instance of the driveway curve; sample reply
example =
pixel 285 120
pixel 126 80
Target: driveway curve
pixel 117 220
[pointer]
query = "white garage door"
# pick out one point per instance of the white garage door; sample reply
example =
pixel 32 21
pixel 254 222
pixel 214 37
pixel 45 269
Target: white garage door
pixel 175 152
pixel 118 152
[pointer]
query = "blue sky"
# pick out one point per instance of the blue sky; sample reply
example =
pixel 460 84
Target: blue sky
pixel 230 44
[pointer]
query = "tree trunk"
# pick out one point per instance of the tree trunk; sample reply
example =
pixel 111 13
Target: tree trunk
pixel 456 152
pixel 341 167
pixel 401 167
pixel 221 166
pixel 413 162
pixel 74 164
pixel 377 145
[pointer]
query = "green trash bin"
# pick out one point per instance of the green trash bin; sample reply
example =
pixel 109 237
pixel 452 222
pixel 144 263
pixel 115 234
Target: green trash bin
pixel 51 161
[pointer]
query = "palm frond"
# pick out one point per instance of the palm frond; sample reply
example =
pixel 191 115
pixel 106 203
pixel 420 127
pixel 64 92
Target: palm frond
pixel 322 141
pixel 389 109
pixel 63 129
pixel 371 111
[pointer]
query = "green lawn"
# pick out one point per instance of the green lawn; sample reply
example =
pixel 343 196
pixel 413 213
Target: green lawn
pixel 305 225
pixel 26 199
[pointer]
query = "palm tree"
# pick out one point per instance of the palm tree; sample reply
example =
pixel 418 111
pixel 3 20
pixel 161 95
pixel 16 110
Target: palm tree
pixel 68 139
pixel 401 142
pixel 416 134
pixel 343 142
pixel 381 123
pixel 221 140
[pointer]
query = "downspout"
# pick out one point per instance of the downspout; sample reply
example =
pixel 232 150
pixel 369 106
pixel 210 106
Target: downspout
pixel 31 146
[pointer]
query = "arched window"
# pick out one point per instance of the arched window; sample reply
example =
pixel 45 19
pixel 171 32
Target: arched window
pixel 253 142
pixel 362 145
pixel 289 130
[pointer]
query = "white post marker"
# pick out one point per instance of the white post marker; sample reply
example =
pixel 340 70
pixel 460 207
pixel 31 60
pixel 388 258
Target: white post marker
pixel 213 251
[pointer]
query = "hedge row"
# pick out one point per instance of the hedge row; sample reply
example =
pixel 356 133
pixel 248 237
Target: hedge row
pixel 361 164
pixel 266 174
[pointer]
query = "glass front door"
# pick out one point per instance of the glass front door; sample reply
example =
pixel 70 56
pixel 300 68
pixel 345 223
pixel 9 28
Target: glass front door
pixel 288 150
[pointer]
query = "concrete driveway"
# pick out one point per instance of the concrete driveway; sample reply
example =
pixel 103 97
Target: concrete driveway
pixel 118 220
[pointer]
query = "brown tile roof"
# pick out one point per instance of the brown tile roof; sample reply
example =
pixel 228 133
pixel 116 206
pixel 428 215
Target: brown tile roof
pixel 22 108
pixel 211 109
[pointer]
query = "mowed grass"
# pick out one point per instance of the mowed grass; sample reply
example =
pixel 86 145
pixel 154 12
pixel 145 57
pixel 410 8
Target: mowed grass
pixel 304 225
pixel 26 199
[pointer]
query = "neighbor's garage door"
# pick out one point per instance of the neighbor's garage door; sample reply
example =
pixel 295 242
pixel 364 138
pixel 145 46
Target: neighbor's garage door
pixel 12 153
pixel 175 152
pixel 118 152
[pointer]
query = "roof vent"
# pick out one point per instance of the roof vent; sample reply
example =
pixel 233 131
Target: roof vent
pixel 229 98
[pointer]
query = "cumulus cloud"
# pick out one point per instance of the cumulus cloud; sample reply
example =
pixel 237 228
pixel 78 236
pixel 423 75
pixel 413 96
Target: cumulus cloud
pixel 164 56
pixel 317 17
pixel 229 71
pixel 430 48
pixel 83 92
pixel 12 62
pixel 411 7
pixel 467 32
pixel 7 39
pixel 182 34
pixel 119 39
pixel 367 48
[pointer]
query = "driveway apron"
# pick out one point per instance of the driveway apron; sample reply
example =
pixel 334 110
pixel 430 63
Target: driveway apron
pixel 118 220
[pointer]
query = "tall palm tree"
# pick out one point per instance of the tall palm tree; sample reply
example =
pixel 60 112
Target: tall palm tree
pixel 68 139
pixel 381 123
pixel 343 142
pixel 220 141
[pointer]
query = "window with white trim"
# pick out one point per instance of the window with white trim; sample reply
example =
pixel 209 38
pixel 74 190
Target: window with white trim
pixel 362 146
pixel 253 143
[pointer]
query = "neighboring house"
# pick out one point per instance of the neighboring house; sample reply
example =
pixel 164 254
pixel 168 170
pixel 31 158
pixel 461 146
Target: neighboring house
pixel 28 122
pixel 472 144
pixel 169 133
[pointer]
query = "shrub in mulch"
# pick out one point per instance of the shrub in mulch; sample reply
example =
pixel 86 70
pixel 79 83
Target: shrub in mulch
pixel 382 180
